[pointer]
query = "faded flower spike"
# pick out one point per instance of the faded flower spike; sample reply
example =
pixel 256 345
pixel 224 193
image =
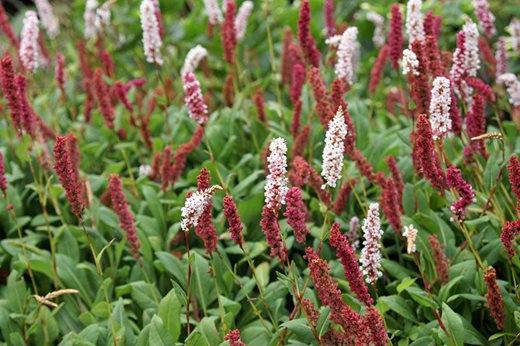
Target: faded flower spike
pixel 371 252
pixel 440 107
pixel 49 21
pixel 333 151
pixel 409 63
pixel 152 41
pixel 414 21
pixel 193 99
pixel 276 181
pixel 193 59
pixel 194 206
pixel 30 54
pixel 241 19
pixel 346 55
pixel 411 234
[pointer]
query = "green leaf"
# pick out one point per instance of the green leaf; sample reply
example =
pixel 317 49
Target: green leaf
pixel 421 297
pixel 300 328
pixel 399 305
pixel 405 283
pixel 454 326
pixel 322 325
pixel 170 312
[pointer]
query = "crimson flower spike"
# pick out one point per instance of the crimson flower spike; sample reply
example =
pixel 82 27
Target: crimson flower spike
pixel 66 165
pixel 229 40
pixel 3 180
pixel 350 264
pixel 395 36
pixel 205 229
pixel 494 298
pixel 10 91
pixel 233 219
pixel 296 213
pixel 126 218
pixel 307 43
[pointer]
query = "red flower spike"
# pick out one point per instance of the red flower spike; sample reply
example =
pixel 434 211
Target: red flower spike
pixel 395 36
pixel 260 106
pixel 296 213
pixel 350 264
pixel 65 155
pixel 441 262
pixel 296 118
pixel 323 102
pixel 166 167
pixel 300 142
pixel 205 229
pixel 272 231
pixel 297 81
pixel 514 178
pixel 509 231
pixel 307 43
pixel 328 14
pixel 343 194
pixel 375 322
pixel 494 298
pixel 376 73
pixel 330 295
pixel 3 179
pixel 397 178
pixel 233 219
pixel 126 218
pixel 103 98
pixel 425 154
pixel 233 337
pixel 229 32
pixel 6 28
pixel 10 91
pixel 476 126
pixel 182 152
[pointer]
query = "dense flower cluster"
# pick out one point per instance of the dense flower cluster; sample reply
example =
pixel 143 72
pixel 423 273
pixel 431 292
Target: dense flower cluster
pixel 126 218
pixel 89 19
pixel 273 233
pixel 152 40
pixel 501 57
pixel 465 191
pixel 371 252
pixel 341 199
